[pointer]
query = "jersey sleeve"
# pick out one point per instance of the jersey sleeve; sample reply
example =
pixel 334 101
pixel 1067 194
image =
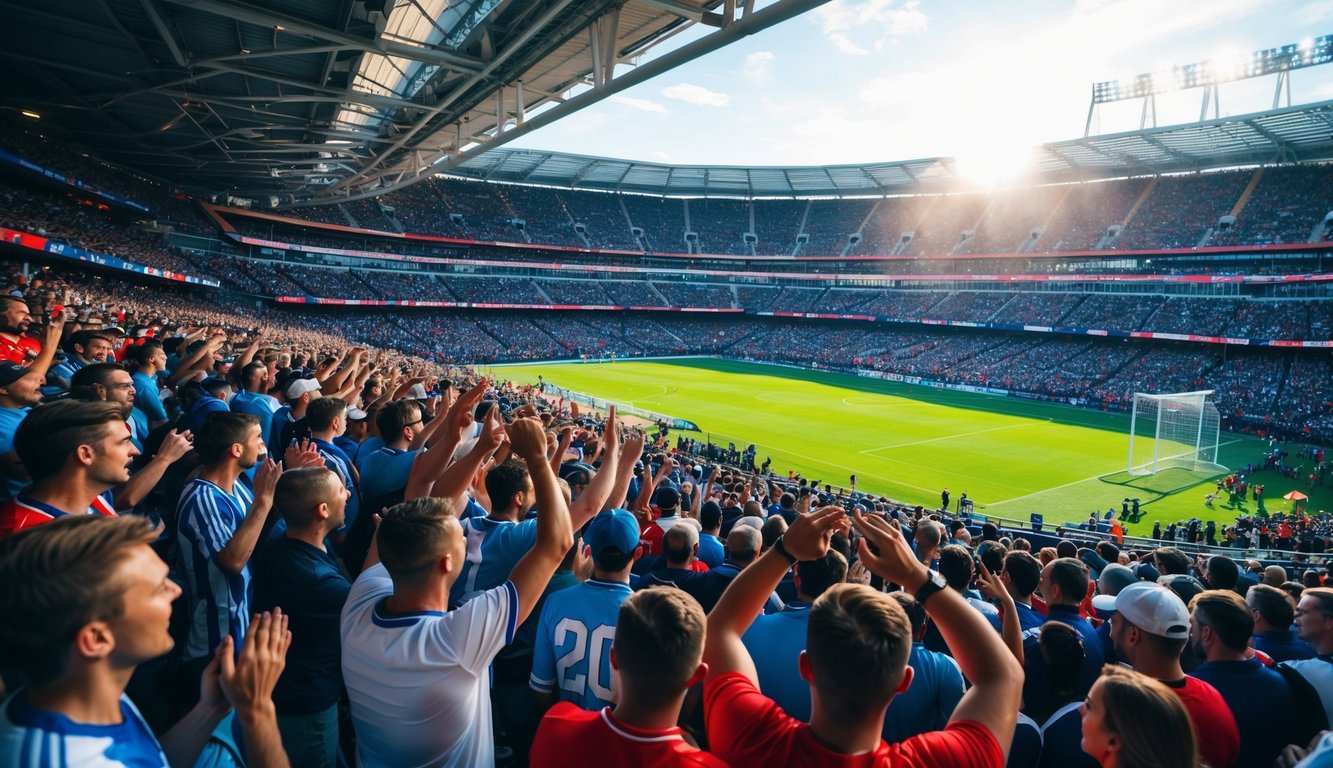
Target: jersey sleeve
pixel 478 629
pixel 542 678
pixel 964 744
pixel 745 727
pixel 201 517
pixel 150 402
pixel 371 586
pixel 951 689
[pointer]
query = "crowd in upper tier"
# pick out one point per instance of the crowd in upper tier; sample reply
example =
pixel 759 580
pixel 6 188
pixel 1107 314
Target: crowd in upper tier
pixel 231 536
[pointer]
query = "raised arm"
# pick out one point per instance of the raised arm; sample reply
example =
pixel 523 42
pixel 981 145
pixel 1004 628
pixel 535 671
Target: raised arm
pixel 997 678
pixel 594 496
pixel 629 454
pixel 555 535
pixel 236 554
pixel 807 539
pixel 1010 630
pixel 430 466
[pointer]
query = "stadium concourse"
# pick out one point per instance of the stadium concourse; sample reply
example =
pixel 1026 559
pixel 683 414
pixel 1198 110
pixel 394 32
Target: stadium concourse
pixel 315 535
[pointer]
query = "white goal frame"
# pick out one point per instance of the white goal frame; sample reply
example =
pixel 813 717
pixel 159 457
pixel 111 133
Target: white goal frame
pixel 1185 420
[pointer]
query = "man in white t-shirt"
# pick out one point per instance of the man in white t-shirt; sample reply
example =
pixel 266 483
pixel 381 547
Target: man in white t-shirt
pixel 415 671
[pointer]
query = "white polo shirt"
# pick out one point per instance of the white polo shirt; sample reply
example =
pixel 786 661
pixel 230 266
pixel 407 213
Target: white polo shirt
pixel 418 682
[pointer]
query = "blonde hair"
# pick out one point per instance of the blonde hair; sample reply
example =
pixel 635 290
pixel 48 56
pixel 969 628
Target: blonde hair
pixel 1154 727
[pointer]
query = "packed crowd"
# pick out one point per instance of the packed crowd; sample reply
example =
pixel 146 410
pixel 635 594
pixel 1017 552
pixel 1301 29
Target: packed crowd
pixel 1287 206
pixel 229 538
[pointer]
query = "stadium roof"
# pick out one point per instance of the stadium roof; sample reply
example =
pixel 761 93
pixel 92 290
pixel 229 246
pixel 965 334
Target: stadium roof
pixel 1297 134
pixel 307 99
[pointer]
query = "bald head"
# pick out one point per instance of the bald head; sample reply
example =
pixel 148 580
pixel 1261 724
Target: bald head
pixel 743 544
pixel 680 544
pixel 1274 575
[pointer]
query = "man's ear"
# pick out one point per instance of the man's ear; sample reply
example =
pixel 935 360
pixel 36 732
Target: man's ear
pixel 909 674
pixel 698 675
pixel 94 641
pixel 803 666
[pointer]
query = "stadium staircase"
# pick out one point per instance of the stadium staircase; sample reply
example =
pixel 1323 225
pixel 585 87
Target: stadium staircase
pixel 1207 236
pixel 991 317
pixel 542 291
pixel 1249 190
pixel 800 230
pixel 347 215
pixel 642 240
pixel 360 278
pixel 850 246
pixel 665 301
pixel 1030 244
pixel 567 345
pixel 1107 239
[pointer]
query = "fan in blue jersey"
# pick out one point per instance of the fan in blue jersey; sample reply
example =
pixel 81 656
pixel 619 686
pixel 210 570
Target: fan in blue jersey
pixel 571 655
pixel 103 609
pixel 220 522
pixel 326 417
pixel 776 640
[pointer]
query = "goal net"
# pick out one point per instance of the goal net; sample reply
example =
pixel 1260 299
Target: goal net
pixel 1174 431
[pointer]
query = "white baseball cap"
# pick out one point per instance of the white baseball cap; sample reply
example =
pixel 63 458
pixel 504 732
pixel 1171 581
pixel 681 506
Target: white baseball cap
pixel 1155 609
pixel 300 387
pixel 355 414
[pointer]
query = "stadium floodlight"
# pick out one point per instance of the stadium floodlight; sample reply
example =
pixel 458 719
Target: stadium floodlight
pixel 1226 68
pixel 1174 431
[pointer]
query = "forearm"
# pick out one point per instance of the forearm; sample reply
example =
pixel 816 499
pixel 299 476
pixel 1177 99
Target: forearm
pixel 594 496
pixel 745 597
pixel 424 436
pixel 128 494
pixel 236 554
pixel 555 533
pixel 624 473
pixel 263 741
pixel 186 739
pixel 558 458
pixel 983 658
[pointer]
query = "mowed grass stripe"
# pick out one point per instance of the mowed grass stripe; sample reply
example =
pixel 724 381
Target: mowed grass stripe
pixel 907 441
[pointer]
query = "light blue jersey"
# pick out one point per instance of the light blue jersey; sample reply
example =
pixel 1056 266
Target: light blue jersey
pixel 494 547
pixel 219 602
pixel 39 737
pixel 775 642
pixel 572 651
pixel 384 472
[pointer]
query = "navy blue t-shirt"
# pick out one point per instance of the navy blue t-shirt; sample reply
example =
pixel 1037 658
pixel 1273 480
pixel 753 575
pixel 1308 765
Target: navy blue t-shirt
pixel 310 586
pixel 1262 703
pixel 1036 686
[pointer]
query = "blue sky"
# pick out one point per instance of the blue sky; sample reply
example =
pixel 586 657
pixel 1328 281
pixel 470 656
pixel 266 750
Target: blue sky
pixel 876 80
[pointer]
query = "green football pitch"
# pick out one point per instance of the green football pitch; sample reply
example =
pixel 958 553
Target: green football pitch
pixel 1012 457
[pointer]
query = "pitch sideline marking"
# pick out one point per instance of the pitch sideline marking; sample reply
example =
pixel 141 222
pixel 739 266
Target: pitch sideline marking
pixel 1076 482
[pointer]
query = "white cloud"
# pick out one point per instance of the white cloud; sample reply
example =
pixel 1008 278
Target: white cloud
pixel 854 27
pixel 645 105
pixel 696 94
pixel 757 67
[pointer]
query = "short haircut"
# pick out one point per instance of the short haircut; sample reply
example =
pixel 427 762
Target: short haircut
pixel 816 576
pixel 321 412
pixel 1024 571
pixel 930 533
pixel 221 432
pixel 956 566
pixel 59 577
pixel 1323 596
pixel 504 481
pixel 1066 548
pixel 1171 561
pixel 1071 576
pixel 991 554
pixel 743 544
pixel 710 515
pixel 1223 573
pixel 96 373
pixel 300 491
pixel 414 535
pixel 1275 606
pixel 393 417
pixel 138 354
pixel 774 527
pixel 50 433
pixel 679 542
pixel 658 644
pixel 916 612
pixel 253 371
pixel 1227 614
pixel 857 641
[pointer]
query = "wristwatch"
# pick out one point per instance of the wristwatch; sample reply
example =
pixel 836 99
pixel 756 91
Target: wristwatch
pixel 934 583
pixel 781 549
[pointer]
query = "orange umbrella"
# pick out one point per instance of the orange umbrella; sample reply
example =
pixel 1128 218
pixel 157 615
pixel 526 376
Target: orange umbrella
pixel 1295 496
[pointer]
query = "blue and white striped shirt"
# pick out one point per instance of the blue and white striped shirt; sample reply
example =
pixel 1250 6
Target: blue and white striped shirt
pixel 219 602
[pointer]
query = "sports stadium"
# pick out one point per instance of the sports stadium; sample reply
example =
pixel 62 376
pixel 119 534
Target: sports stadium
pixel 1126 343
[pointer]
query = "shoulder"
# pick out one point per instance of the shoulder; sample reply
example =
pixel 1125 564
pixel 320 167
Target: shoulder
pixel 962 743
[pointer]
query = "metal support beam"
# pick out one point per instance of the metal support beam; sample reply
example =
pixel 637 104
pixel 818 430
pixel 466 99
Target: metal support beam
pixel 168 37
pixel 295 25
pixel 778 12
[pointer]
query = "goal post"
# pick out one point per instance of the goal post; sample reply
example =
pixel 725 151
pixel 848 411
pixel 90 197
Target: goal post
pixel 1180 430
